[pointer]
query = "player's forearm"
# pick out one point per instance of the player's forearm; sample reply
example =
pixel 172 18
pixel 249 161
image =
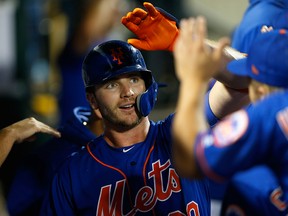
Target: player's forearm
pixel 7 139
pixel 224 100
pixel 189 121
pixel 224 76
pixel 232 81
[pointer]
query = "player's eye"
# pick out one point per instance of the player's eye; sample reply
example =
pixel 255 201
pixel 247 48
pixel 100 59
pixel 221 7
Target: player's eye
pixel 111 85
pixel 134 79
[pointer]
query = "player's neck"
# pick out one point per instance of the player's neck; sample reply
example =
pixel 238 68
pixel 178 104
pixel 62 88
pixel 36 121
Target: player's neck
pixel 129 137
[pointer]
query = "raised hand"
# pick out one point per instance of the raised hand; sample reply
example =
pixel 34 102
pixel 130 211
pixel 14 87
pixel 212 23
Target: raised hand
pixel 155 28
pixel 193 58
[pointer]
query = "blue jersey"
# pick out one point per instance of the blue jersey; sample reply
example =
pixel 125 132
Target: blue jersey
pixel 259 13
pixel 34 175
pixel 258 135
pixel 135 180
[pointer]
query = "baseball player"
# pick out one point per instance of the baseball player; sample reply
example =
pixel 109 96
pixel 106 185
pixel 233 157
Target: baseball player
pixel 34 174
pixel 260 16
pixel 246 138
pixel 128 170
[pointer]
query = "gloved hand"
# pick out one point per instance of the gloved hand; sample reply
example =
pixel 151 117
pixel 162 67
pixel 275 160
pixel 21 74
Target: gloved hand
pixel 156 29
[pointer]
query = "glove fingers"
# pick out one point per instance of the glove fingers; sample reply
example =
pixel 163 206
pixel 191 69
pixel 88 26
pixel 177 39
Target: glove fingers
pixel 129 25
pixel 124 20
pixel 136 16
pixel 151 9
pixel 130 17
pixel 135 20
pixel 139 44
pixel 138 12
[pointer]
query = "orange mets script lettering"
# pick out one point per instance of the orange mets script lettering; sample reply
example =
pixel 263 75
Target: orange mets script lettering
pixel 110 201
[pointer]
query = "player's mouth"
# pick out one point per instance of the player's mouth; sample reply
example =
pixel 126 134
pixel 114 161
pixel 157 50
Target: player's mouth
pixel 127 107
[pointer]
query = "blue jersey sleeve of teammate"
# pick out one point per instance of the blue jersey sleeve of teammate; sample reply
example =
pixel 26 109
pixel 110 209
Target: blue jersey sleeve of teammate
pixel 210 116
pixel 246 138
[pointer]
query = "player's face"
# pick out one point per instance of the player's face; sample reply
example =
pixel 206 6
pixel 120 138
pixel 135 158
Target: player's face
pixel 116 100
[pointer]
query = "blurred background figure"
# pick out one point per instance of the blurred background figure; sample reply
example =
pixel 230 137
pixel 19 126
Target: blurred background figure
pixel 23 68
pixel 89 22
pixel 13 93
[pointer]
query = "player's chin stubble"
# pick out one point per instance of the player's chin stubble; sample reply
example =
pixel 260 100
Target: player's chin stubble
pixel 125 123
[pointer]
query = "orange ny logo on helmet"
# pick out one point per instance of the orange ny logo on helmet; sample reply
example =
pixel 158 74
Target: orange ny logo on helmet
pixel 117 55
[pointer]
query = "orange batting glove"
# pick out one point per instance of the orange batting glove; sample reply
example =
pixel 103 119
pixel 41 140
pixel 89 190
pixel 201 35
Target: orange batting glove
pixel 156 29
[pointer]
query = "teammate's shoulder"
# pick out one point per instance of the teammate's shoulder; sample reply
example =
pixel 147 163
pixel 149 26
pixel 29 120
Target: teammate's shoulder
pixel 269 107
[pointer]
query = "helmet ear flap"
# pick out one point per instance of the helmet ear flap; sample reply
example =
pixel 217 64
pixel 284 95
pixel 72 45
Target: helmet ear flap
pixel 146 101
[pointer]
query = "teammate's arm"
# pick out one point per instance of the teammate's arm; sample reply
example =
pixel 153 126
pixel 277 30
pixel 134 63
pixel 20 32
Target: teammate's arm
pixel 20 131
pixel 224 100
pixel 195 65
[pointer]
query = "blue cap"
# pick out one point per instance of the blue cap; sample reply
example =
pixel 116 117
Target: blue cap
pixel 267 60
pixel 281 22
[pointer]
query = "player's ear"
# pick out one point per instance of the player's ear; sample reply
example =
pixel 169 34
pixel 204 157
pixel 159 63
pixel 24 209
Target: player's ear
pixel 263 90
pixel 92 100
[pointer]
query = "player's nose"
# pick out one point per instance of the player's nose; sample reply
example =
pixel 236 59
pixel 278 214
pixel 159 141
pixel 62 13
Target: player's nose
pixel 127 91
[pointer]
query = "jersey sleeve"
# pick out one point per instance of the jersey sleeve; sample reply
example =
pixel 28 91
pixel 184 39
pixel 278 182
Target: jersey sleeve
pixel 210 116
pixel 232 145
